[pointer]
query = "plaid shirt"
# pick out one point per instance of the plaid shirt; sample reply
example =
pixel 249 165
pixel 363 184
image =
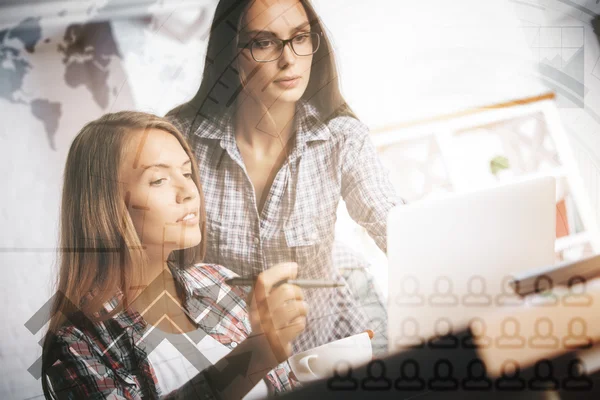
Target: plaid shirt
pixel 110 360
pixel 329 161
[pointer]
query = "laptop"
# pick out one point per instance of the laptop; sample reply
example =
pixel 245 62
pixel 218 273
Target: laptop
pixel 453 259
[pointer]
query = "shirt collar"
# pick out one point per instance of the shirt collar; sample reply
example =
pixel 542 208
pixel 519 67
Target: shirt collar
pixel 125 317
pixel 194 283
pixel 309 124
pixel 128 317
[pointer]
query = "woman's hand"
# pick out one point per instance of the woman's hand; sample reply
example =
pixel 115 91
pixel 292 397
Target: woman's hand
pixel 278 312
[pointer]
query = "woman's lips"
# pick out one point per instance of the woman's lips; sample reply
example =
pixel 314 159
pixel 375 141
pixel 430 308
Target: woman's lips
pixel 193 221
pixel 288 83
pixel 190 219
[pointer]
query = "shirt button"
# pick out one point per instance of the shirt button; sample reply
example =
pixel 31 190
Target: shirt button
pixel 256 240
pixel 234 344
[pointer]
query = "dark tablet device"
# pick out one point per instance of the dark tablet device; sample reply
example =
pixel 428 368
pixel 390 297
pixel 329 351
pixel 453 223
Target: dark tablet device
pixel 563 274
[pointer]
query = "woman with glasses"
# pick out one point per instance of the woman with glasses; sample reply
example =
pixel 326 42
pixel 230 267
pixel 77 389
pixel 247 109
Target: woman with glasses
pixel 278 148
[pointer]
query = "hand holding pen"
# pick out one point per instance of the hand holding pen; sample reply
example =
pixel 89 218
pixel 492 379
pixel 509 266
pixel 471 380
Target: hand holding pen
pixel 277 309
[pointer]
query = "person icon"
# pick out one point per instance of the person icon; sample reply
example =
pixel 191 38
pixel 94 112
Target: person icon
pixel 442 377
pixel 476 377
pixel 577 338
pixel 577 297
pixel 476 296
pixel 577 379
pixel 543 379
pixel 443 295
pixel 443 337
pixel 544 338
pixel 509 293
pixel 510 379
pixel 409 378
pixel 409 334
pixel 510 338
pixel 543 292
pixel 409 292
pixel 478 337
pixel 376 379
pixel 342 378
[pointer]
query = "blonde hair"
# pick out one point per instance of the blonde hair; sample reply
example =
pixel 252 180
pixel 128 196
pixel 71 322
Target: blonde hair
pixel 101 254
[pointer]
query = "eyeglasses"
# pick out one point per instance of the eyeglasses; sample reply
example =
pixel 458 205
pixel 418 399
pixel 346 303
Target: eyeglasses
pixel 270 49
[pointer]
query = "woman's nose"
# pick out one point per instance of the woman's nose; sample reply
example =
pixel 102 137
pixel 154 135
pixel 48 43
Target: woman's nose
pixel 288 56
pixel 186 190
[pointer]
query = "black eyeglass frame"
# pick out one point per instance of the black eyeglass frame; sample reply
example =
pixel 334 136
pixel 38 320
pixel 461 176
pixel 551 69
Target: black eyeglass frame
pixel 284 42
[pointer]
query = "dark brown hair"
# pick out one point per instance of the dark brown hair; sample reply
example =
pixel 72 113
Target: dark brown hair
pixel 221 82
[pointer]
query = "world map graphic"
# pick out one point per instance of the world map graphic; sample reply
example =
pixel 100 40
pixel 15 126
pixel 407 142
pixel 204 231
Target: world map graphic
pixel 86 50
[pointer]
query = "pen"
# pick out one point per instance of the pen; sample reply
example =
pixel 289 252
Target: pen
pixel 563 274
pixel 303 283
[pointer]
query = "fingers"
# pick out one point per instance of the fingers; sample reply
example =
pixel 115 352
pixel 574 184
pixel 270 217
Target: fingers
pixel 278 310
pixel 280 341
pixel 268 278
pixel 284 298
pixel 287 313
pixel 284 293
pixel 283 314
pixel 294 328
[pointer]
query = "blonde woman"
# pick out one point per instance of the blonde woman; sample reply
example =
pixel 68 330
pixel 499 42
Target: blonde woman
pixel 280 148
pixel 132 239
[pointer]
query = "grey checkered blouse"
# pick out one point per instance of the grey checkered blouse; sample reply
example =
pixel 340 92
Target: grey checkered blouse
pixel 329 161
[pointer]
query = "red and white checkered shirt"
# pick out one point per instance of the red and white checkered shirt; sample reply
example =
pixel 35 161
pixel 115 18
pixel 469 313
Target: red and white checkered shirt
pixel 330 160
pixel 109 359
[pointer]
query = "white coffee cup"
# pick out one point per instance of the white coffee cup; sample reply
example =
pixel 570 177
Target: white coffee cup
pixel 321 362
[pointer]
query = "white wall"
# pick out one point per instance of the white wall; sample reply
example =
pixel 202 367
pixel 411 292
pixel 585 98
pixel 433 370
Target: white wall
pixel 408 60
